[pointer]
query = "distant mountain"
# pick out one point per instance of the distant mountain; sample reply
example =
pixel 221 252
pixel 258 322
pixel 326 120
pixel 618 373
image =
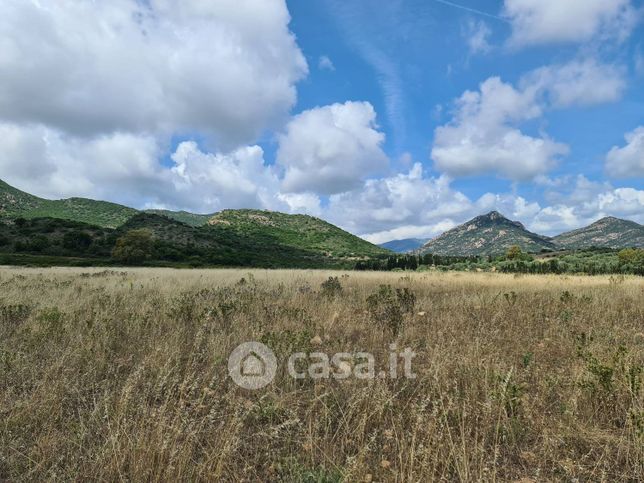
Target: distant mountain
pixel 405 245
pixel 487 235
pixel 297 231
pixel 609 232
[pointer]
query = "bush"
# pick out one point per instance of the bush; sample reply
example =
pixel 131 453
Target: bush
pixel 388 307
pixel 77 241
pixel 332 287
pixel 135 247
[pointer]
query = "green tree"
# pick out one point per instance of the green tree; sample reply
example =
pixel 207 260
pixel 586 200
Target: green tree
pixel 514 253
pixel 77 240
pixel 631 255
pixel 134 247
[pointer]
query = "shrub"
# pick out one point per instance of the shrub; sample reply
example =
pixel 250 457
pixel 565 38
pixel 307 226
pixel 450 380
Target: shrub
pixel 332 287
pixel 514 253
pixel 387 307
pixel 134 247
pixel 77 240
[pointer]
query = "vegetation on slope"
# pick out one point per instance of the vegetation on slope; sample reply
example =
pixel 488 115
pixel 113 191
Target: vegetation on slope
pixel 172 243
pixel 608 232
pixel 297 231
pixel 15 203
pixel 18 204
pixel 186 217
pixel 489 234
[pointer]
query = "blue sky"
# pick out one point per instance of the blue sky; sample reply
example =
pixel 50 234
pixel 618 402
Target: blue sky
pixel 426 45
pixel 392 119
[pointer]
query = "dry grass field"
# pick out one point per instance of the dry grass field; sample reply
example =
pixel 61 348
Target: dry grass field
pixel 122 376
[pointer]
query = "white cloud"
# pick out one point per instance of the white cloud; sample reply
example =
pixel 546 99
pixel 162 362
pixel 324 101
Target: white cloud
pixel 308 203
pixel 330 149
pixel 483 137
pixel 405 204
pixel 586 202
pixel 125 168
pixel 579 82
pixel 413 206
pixel 476 35
pixel 551 21
pixel 325 63
pixel 46 162
pixel 209 182
pixel 90 68
pixel 627 161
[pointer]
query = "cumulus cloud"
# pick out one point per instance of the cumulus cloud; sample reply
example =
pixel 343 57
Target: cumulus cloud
pixel 579 82
pixel 330 149
pixel 47 162
pixel 585 202
pixel 627 161
pixel 125 168
pixel 212 181
pixel 551 21
pixel 483 137
pixel 407 204
pixel 90 68
pixel 411 205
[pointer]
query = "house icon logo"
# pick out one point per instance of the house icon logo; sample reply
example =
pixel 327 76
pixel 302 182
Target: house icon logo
pixel 252 365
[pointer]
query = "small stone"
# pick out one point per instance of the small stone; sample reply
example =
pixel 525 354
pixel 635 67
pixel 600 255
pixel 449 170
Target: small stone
pixel 316 341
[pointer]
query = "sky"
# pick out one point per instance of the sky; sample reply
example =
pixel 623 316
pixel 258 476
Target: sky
pixel 391 119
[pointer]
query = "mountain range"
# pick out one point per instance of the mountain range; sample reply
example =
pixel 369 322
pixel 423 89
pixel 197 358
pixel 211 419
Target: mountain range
pixel 229 238
pixel 270 238
pixel 493 233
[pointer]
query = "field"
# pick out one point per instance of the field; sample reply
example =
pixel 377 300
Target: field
pixel 122 375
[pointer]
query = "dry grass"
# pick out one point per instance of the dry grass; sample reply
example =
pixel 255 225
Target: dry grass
pixel 122 376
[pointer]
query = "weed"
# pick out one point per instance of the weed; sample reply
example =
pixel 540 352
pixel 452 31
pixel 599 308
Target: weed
pixel 331 288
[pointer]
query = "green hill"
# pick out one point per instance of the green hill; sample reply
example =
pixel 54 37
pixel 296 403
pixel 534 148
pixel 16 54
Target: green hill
pixel 52 241
pixel 297 231
pixel 609 232
pixel 231 237
pixel 15 203
pixel 489 234
pixel 186 217
pixel 18 204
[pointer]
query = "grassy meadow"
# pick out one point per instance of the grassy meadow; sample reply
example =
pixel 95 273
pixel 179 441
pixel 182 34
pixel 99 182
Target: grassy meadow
pixel 121 375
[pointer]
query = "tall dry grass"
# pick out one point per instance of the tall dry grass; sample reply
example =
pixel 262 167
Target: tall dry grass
pixel 123 376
